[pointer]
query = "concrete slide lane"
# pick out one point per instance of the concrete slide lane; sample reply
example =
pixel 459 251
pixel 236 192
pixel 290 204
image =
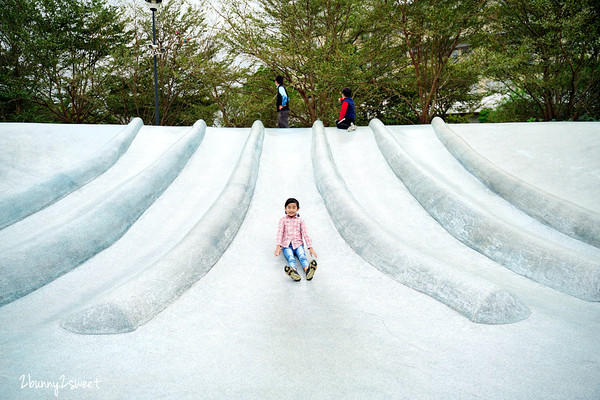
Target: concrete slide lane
pixel 20 204
pixel 145 149
pixel 164 224
pixel 246 330
pixel 486 222
pixel 140 299
pixel 560 214
pixel 50 254
pixel 477 299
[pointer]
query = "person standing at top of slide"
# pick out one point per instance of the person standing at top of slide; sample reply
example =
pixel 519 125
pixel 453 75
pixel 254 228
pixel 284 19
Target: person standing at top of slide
pixel 347 115
pixel 283 105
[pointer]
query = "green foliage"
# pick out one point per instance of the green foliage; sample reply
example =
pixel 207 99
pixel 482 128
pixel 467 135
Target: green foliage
pixel 71 43
pixel 312 44
pixel 547 52
pixel 52 59
pixel 418 46
pixel 16 72
pixel 252 100
pixel 386 106
pixel 458 119
pixel 86 61
pixel 186 68
pixel 516 107
pixel 486 115
pixel 587 118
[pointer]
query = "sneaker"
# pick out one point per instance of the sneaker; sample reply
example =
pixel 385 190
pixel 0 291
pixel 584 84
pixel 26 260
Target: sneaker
pixel 310 272
pixel 292 273
pixel 352 127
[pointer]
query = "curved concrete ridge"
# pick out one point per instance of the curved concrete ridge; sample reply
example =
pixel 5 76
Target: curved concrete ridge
pixel 25 202
pixel 473 297
pixel 137 301
pixel 52 253
pixel 560 214
pixel 548 263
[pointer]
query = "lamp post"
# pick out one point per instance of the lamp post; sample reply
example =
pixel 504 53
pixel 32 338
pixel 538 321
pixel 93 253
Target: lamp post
pixel 153 4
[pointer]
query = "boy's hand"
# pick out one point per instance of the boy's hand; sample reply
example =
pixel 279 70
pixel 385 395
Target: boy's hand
pixel 312 252
pixel 277 251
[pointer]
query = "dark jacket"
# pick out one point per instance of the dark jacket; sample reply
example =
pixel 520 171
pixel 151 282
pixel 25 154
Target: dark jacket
pixel 347 111
pixel 280 99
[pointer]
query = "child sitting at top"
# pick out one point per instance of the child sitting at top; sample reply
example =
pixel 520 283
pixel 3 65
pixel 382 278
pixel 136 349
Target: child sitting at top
pixel 347 114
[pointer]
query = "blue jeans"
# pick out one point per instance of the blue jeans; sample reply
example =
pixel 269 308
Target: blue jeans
pixel 288 252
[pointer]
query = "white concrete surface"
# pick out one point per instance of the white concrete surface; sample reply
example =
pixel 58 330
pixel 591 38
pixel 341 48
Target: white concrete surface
pixel 141 299
pixel 19 204
pixel 475 298
pixel 467 209
pixel 247 331
pixel 53 252
pixel 563 215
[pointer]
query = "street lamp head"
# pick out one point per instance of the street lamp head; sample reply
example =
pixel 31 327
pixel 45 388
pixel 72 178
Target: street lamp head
pixel 153 4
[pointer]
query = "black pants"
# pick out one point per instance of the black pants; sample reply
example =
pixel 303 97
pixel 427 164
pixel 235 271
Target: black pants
pixel 282 118
pixel 344 123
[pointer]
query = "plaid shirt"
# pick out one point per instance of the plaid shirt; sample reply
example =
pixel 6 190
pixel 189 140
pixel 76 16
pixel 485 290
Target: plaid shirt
pixel 292 230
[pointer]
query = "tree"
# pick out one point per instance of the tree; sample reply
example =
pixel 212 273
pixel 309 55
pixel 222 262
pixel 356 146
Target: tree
pixel 313 44
pixel 546 52
pixel 17 76
pixel 187 67
pixel 69 48
pixel 245 96
pixel 419 48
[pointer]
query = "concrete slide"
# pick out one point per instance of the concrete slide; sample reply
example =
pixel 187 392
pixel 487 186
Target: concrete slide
pixel 560 214
pixel 140 299
pixel 52 253
pixel 157 278
pixel 18 205
pixel 477 299
pixel 489 224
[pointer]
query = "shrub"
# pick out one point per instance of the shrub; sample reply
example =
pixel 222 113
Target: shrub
pixel 458 119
